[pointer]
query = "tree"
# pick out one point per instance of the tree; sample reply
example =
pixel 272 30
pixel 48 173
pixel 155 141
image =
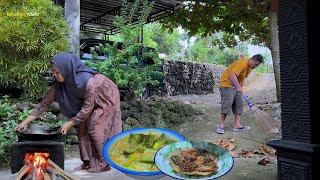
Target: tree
pixel 31 33
pixel 254 21
pixel 199 50
pixel 242 48
pixel 274 42
pixel 72 15
pixel 165 42
pixel 225 56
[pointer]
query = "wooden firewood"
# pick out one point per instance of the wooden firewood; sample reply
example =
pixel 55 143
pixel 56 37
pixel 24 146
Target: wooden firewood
pixel 46 176
pixel 58 172
pixel 29 177
pixel 61 172
pixel 49 170
pixel 22 172
pixel 34 174
pixel 53 176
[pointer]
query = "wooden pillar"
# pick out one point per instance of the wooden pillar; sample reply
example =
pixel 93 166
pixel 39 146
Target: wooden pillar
pixel 72 15
pixel 299 150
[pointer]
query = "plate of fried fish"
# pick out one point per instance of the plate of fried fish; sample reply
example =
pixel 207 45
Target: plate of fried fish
pixel 193 160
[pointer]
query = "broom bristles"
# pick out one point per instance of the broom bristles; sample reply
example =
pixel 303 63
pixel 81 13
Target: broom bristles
pixel 266 122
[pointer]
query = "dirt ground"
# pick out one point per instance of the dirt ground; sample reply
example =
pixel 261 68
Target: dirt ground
pixel 260 87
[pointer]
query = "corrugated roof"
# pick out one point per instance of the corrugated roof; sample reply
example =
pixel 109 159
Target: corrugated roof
pixel 98 15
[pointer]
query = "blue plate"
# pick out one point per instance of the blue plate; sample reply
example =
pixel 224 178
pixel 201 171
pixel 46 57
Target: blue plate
pixel 108 145
pixel 224 159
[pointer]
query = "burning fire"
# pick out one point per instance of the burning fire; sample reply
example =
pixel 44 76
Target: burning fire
pixel 38 163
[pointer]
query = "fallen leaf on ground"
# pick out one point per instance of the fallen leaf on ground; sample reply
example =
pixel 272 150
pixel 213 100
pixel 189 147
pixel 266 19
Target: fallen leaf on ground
pixel 231 147
pixel 265 150
pixel 227 144
pixel 231 140
pixel 191 102
pixel 234 154
pixel 264 161
pixel 246 154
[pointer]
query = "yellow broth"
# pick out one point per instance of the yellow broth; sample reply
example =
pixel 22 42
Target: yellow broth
pixel 133 160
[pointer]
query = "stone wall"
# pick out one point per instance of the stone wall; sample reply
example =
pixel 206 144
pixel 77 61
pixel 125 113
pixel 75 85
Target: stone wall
pixel 190 78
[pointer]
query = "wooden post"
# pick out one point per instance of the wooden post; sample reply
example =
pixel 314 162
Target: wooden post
pixel 72 15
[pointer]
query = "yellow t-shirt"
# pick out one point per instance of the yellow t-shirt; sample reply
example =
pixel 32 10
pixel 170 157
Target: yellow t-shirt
pixel 242 70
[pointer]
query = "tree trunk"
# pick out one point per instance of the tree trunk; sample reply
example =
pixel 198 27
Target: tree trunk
pixel 72 15
pixel 274 43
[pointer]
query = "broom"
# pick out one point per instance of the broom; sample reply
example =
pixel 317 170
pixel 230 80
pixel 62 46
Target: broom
pixel 266 122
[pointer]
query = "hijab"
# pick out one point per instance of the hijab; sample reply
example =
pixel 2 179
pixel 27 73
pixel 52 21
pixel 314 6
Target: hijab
pixel 70 93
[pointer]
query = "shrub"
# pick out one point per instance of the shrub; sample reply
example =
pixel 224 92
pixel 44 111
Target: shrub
pixel 11 116
pixel 127 71
pixel 8 120
pixel 126 67
pixel 31 33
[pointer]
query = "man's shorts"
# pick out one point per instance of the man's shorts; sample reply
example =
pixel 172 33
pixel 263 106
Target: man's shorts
pixel 231 100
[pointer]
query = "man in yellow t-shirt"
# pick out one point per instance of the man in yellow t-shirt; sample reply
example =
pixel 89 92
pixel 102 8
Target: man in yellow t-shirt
pixel 231 83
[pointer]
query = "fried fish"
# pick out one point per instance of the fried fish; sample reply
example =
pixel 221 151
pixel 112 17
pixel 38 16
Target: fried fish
pixel 194 162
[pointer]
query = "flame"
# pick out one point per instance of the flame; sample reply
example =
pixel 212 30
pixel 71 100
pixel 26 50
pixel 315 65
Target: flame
pixel 39 161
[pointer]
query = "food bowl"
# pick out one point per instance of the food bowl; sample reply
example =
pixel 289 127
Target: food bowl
pixel 111 147
pixel 163 162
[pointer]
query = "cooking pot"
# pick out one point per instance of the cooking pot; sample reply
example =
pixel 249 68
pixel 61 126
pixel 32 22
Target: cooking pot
pixel 40 133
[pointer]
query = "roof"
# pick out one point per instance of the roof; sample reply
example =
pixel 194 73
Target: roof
pixel 98 15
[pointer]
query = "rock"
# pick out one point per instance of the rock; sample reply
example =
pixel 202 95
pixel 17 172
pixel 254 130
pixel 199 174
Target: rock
pixel 124 105
pixel 72 138
pixel 157 112
pixel 188 78
pixel 23 106
pixel 131 121
pixel 49 117
pixel 126 127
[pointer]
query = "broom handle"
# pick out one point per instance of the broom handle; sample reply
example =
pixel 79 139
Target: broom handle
pixel 248 101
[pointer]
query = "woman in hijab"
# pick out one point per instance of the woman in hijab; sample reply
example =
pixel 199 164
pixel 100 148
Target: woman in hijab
pixel 91 102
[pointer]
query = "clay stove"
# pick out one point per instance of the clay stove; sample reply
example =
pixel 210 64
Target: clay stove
pixel 52 145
